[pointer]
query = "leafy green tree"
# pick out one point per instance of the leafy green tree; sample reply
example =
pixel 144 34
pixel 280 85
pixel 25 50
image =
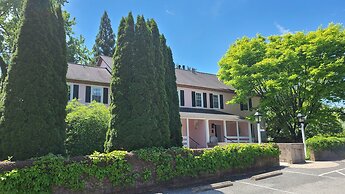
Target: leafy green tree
pixel 291 73
pixel 105 39
pixel 35 92
pixel 86 128
pixel 172 97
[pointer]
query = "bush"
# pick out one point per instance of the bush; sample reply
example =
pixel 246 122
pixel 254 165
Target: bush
pixel 319 143
pixel 123 169
pixel 86 127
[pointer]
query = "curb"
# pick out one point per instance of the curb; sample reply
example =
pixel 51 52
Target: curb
pixel 266 175
pixel 212 186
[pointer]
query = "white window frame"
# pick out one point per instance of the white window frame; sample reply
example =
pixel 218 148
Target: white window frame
pixel 201 99
pixel 92 89
pixel 218 96
pixel 70 85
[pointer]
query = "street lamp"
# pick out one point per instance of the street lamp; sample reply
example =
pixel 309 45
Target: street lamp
pixel 258 117
pixel 301 120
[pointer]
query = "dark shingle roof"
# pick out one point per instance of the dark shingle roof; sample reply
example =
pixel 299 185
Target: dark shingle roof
pixel 200 110
pixel 88 73
pixel 189 78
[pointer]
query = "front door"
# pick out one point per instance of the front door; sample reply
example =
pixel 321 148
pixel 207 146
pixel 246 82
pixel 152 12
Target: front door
pixel 218 132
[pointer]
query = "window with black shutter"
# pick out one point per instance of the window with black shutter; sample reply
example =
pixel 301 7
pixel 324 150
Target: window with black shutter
pixel 193 99
pixel 250 103
pixel 88 94
pixel 75 91
pixel 181 97
pixel 204 99
pixel 211 100
pixel 221 101
pixel 105 95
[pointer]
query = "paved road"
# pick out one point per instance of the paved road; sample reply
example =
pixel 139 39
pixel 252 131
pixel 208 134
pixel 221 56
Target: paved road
pixel 313 178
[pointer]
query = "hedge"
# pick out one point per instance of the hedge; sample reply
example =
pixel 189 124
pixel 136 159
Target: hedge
pixel 122 169
pixel 319 143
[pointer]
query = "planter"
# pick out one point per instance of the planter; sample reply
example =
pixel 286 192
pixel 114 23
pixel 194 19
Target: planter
pixel 324 155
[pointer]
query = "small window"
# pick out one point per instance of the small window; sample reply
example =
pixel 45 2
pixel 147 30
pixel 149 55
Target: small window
pixel 215 101
pixel 198 99
pixel 246 106
pixel 69 88
pixel 96 94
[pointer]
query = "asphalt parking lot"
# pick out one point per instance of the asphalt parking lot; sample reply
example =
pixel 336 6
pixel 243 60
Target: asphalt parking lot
pixel 318 177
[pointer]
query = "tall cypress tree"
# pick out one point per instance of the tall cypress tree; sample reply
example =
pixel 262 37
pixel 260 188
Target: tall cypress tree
pixel 122 132
pixel 172 97
pixel 105 39
pixel 35 92
pixel 160 97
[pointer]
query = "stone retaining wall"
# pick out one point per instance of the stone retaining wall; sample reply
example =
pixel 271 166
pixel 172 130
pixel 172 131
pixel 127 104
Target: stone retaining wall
pixel 292 153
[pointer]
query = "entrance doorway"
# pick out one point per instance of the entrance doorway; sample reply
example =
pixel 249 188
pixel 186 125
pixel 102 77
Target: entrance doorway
pixel 218 132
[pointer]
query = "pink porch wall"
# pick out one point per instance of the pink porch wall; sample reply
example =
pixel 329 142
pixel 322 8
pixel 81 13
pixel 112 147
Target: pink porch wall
pixel 231 129
pixel 197 131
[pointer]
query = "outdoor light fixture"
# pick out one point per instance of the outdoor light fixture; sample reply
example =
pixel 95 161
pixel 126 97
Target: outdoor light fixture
pixel 301 120
pixel 258 118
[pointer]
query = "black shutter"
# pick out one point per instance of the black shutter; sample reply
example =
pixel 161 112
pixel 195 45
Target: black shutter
pixel 204 99
pixel 211 100
pixel 193 99
pixel 182 97
pixel 250 103
pixel 241 106
pixel 221 101
pixel 88 94
pixel 75 91
pixel 105 95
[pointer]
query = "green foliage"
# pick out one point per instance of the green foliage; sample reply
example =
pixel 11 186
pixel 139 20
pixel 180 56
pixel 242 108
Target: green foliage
pixel 318 143
pixel 105 39
pixel 291 73
pixel 144 99
pixel 86 127
pixel 33 117
pixel 51 170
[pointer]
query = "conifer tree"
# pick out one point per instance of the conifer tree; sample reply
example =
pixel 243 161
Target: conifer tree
pixel 160 103
pixel 122 132
pixel 105 39
pixel 172 97
pixel 35 92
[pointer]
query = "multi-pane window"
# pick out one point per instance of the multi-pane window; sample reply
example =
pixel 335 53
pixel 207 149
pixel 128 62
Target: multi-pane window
pixel 198 99
pixel 215 101
pixel 96 94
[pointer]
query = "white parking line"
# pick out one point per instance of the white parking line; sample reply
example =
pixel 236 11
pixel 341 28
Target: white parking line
pixel 308 174
pixel 270 188
pixel 340 173
pixel 333 171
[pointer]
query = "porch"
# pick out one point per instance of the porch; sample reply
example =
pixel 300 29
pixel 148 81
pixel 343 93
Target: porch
pixel 202 130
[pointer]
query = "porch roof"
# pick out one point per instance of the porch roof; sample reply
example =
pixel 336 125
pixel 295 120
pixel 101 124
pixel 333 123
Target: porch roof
pixel 199 113
pixel 201 110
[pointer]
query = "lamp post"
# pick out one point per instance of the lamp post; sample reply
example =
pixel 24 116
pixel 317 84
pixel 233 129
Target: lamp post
pixel 301 120
pixel 258 117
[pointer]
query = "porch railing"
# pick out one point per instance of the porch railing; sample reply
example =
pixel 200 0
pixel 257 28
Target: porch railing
pixel 185 142
pixel 237 139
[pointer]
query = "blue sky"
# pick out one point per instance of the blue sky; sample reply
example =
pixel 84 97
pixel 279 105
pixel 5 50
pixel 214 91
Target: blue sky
pixel 200 31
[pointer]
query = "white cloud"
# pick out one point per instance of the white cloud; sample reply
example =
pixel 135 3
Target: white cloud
pixel 282 29
pixel 169 12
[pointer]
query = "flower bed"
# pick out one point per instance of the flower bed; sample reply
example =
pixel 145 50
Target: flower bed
pixel 119 170
pixel 326 148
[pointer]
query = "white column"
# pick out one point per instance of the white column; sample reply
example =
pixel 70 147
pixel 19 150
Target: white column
pixel 303 139
pixel 249 133
pixel 224 124
pixel 187 133
pixel 207 128
pixel 238 132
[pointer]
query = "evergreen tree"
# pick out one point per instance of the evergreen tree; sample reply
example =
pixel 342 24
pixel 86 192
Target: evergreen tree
pixel 35 92
pixel 160 97
pixel 122 133
pixel 105 39
pixel 172 97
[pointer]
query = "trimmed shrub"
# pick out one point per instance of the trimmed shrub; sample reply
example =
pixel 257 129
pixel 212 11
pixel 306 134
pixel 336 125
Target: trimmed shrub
pixel 86 127
pixel 122 169
pixel 319 143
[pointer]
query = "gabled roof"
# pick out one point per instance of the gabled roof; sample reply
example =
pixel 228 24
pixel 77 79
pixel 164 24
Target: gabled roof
pixel 107 60
pixel 88 74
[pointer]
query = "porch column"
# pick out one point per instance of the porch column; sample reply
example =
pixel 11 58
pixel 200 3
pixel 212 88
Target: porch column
pixel 238 132
pixel 187 128
pixel 207 127
pixel 224 124
pixel 249 133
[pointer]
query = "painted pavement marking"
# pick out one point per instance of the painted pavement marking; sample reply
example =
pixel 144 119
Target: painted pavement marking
pixel 333 171
pixel 265 187
pixel 308 174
